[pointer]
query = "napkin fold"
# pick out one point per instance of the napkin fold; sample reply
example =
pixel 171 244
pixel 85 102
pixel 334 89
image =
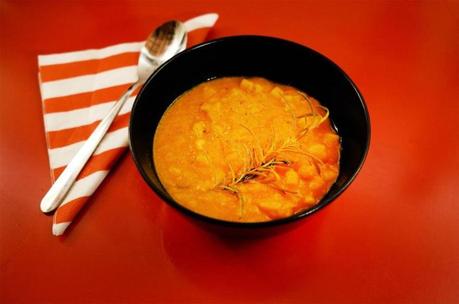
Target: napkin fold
pixel 77 90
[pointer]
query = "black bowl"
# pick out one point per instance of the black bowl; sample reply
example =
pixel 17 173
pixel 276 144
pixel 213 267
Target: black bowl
pixel 278 60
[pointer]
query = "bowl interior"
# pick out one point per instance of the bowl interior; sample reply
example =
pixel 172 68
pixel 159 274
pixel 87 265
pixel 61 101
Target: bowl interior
pixel 278 60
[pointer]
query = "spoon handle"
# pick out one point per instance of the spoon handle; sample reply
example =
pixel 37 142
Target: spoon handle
pixel 56 194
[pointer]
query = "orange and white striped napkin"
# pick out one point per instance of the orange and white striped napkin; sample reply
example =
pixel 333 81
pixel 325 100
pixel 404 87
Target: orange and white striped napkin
pixel 77 90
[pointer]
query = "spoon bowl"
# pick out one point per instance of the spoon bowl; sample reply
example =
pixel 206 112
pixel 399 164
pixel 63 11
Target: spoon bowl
pixel 162 44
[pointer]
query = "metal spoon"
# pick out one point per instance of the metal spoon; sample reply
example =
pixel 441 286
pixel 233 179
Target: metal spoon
pixel 166 41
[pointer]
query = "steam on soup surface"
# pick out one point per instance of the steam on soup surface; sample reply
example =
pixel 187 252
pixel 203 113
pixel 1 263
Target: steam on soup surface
pixel 246 149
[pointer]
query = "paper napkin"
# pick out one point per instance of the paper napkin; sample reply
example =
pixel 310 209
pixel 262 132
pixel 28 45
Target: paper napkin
pixel 77 90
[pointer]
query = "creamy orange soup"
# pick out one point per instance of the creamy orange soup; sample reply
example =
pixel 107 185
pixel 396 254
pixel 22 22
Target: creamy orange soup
pixel 246 150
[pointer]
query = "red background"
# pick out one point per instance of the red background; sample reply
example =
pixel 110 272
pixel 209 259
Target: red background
pixel 393 236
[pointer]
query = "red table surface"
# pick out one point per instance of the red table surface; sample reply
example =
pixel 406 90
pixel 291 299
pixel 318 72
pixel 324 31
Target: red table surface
pixel 392 237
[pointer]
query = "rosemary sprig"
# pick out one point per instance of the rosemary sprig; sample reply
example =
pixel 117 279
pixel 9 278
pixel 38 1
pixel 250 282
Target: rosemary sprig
pixel 260 162
pixel 235 190
pixel 258 171
pixel 248 175
pixel 315 121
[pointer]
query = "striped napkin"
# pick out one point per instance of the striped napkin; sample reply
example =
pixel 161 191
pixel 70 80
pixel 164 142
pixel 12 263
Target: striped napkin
pixel 77 90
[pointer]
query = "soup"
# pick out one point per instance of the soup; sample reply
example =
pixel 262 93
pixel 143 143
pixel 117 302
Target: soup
pixel 246 150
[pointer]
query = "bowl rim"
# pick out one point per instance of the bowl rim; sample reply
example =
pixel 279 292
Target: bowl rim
pixel 294 217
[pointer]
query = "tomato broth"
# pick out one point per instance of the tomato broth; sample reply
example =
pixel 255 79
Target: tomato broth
pixel 246 150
